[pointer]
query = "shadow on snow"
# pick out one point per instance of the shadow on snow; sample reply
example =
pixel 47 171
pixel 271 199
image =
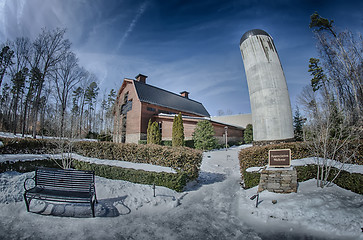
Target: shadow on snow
pixel 205 178
pixel 111 207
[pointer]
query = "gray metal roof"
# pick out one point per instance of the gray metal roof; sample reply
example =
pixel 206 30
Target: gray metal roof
pixel 163 98
pixel 252 32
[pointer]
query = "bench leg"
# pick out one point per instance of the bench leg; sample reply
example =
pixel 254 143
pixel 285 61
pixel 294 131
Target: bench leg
pixel 26 202
pixel 93 208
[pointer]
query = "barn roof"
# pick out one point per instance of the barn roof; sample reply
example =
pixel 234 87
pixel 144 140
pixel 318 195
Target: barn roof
pixel 163 98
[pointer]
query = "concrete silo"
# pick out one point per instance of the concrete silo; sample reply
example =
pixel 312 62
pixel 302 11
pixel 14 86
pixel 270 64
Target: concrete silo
pixel 269 97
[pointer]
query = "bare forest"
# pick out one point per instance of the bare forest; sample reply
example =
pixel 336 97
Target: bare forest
pixel 45 91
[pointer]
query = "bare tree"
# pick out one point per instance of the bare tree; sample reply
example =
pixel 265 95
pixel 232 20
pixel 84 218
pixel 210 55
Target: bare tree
pixel 332 141
pixel 22 49
pixel 50 48
pixel 328 132
pixel 67 75
pixel 343 58
pixel 62 154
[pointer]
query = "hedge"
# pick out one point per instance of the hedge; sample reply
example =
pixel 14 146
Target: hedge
pixel 26 166
pixel 257 156
pixel 175 181
pixel 180 158
pixel 27 146
pixel 184 160
pixel 187 143
pixel 346 180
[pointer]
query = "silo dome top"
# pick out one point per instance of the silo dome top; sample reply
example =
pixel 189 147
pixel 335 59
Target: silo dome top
pixel 252 32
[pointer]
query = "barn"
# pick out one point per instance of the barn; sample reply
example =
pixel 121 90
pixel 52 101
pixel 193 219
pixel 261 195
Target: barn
pixel 137 102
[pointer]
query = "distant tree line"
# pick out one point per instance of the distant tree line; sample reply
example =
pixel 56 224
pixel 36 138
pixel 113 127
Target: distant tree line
pixel 44 90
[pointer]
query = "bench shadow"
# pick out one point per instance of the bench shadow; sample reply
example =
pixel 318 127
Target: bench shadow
pixel 110 207
pixel 205 178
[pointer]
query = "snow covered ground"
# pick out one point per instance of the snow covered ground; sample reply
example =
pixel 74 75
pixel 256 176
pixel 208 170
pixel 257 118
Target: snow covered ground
pixel 214 207
pixel 352 168
pixel 117 163
pixel 18 135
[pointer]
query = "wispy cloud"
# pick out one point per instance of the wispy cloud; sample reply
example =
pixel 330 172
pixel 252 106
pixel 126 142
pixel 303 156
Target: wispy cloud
pixel 132 25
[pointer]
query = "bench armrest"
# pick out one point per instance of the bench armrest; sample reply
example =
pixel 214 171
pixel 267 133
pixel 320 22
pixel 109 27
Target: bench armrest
pixel 33 178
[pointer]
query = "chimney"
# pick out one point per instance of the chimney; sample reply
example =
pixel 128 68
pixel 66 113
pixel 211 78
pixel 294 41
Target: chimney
pixel 141 78
pixel 185 94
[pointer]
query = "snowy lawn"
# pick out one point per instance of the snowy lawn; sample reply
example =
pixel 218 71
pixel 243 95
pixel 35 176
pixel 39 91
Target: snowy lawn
pixel 214 207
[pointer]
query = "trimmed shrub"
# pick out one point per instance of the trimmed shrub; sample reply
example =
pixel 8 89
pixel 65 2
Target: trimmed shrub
pixel 103 137
pixel 92 135
pixel 248 134
pixel 180 158
pixel 169 180
pixel 26 166
pixel 178 131
pixel 257 156
pixel 167 143
pixel 189 143
pixel 27 146
pixel 175 181
pixel 148 131
pixel 185 160
pixel 346 180
pixel 153 133
pixel 251 179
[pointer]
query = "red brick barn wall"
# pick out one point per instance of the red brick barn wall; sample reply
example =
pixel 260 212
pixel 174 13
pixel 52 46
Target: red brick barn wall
pixel 233 134
pixel 133 116
pixel 166 121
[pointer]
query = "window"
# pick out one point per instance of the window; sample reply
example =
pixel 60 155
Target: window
pixel 126 97
pixel 151 109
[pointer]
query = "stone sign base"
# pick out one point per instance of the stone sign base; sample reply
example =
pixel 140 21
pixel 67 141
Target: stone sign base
pixel 278 180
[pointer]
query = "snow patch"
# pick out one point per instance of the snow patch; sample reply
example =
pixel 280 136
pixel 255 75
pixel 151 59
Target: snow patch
pixel 352 168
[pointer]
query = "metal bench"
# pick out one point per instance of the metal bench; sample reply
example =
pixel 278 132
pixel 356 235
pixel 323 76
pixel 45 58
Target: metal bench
pixel 61 185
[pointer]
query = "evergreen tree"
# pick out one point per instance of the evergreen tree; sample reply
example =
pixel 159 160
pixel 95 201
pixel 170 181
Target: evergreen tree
pixel 203 136
pixel 153 133
pixel 178 131
pixel 248 134
pixel 6 56
pixel 90 99
pixel 298 125
pixel 156 134
pixel 148 134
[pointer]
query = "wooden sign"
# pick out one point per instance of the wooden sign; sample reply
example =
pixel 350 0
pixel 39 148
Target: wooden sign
pixel 279 158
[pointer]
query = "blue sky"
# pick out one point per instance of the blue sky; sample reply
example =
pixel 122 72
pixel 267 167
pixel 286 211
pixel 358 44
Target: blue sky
pixel 181 45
